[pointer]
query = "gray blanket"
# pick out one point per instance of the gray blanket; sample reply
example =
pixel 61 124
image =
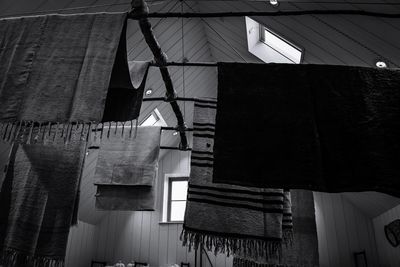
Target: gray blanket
pixel 59 68
pixel 4 158
pixel 127 168
pixel 39 195
pixel 224 218
pixel 303 252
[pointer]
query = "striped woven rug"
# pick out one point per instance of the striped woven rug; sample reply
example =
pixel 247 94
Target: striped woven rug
pixel 230 219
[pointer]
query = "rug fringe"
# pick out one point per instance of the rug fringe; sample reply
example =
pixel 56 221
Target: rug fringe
pixel 287 236
pixel 13 258
pixel 240 262
pixel 29 132
pixel 232 246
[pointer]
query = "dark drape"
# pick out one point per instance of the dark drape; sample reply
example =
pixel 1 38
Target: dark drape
pixel 318 127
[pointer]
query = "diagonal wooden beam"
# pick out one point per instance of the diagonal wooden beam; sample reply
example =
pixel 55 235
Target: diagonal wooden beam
pixel 140 8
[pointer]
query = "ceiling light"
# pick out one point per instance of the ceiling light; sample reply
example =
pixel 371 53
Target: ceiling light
pixel 148 92
pixel 274 2
pixel 381 64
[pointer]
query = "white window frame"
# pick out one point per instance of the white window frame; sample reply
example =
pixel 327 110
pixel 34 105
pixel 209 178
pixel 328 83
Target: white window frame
pixel 166 195
pixel 159 119
pixel 267 53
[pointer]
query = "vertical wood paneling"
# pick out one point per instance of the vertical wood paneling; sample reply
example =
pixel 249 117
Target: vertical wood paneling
pixel 388 255
pixel 139 236
pixel 342 230
pixel 80 246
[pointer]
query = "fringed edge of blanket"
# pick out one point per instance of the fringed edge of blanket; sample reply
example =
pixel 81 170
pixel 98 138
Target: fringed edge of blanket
pixel 33 132
pixel 288 236
pixel 28 132
pixel 239 262
pixel 246 247
pixel 13 258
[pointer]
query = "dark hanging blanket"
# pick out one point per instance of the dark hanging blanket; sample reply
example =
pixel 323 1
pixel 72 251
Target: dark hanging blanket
pixel 224 218
pixel 59 68
pixel 124 99
pixel 303 252
pixel 4 158
pixel 318 127
pixel 39 194
pixel 127 167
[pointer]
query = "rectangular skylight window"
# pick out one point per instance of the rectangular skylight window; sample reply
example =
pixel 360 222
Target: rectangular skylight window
pixel 154 119
pixel 269 46
pixel 280 45
pixel 150 120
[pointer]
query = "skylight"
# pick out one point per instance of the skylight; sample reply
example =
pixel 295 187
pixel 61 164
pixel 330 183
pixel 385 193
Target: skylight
pixel 269 46
pixel 154 119
pixel 150 120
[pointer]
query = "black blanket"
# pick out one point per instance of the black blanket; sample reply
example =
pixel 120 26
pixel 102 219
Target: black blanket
pixel 318 127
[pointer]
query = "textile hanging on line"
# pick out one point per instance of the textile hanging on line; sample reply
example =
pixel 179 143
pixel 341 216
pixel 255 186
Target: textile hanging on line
pixel 317 127
pixel 237 220
pixel 5 149
pixel 127 168
pixel 68 68
pixel 38 198
pixel 303 252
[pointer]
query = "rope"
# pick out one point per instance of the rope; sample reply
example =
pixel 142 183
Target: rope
pixel 183 57
pixel 353 39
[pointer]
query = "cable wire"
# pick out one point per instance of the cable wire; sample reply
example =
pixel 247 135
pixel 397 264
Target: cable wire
pixel 376 53
pixel 183 58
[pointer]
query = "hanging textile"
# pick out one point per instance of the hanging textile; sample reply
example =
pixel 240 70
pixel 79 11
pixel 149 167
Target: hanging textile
pixel 5 149
pixel 303 252
pixel 317 127
pixel 60 68
pixel 39 194
pixel 224 218
pixel 124 99
pixel 127 167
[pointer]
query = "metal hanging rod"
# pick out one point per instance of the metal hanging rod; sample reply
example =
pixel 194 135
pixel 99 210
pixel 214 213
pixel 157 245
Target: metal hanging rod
pixel 162 128
pixel 188 64
pixel 166 100
pixel 161 147
pixel 139 16
pixel 141 10
pixel 175 129
pixel 176 148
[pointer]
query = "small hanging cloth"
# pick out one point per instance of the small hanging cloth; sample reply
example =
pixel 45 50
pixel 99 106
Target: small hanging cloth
pixel 65 68
pixel 316 127
pixel 303 251
pixel 238 220
pixel 127 168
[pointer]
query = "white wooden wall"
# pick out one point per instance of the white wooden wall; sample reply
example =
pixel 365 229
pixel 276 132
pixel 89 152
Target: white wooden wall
pixel 342 230
pixel 139 236
pixel 388 255
pixel 80 246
